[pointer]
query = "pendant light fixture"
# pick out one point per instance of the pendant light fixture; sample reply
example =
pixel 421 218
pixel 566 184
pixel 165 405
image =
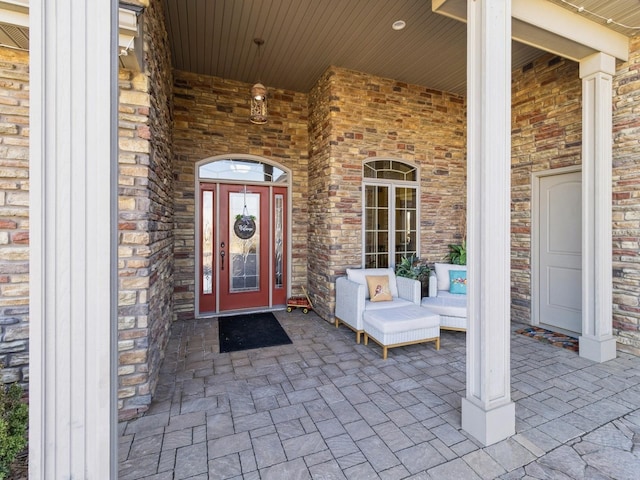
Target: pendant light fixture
pixel 258 95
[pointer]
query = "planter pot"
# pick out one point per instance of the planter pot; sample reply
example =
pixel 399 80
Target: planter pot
pixel 425 287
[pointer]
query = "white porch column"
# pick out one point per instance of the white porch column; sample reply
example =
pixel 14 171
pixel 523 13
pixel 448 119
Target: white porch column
pixel 487 411
pixel 73 166
pixel 597 342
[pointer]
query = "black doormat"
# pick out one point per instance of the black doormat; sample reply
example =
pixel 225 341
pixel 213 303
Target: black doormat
pixel 254 330
pixel 554 338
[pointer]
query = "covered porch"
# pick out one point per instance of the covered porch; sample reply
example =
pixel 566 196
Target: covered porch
pixel 326 407
pixel 486 369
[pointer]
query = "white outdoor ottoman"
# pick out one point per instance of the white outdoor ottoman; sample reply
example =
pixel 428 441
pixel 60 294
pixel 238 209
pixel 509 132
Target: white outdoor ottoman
pixel 401 326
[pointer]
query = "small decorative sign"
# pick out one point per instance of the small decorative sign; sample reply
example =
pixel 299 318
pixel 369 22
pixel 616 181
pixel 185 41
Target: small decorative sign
pixel 244 226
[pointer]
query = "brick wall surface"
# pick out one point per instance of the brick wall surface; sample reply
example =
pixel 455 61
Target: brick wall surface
pixel 357 117
pixel 14 215
pixel 212 118
pixel 324 138
pixel 547 134
pixel 626 201
pixel 322 230
pixel 546 127
pixel 145 201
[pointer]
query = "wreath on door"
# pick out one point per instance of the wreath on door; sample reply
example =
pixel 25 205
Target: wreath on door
pixel 245 225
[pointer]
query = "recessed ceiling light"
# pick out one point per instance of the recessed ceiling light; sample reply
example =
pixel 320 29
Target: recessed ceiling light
pixel 399 25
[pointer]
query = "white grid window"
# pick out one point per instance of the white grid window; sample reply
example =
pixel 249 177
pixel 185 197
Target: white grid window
pixel 390 212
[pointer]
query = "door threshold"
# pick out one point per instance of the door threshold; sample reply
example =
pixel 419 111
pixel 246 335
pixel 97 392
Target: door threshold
pixel 241 311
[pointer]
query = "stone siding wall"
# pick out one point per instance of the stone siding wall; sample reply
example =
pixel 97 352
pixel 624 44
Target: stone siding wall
pixel 145 201
pixel 323 230
pixel 362 117
pixel 14 215
pixel 546 134
pixel 626 201
pixel 212 118
pixel 347 118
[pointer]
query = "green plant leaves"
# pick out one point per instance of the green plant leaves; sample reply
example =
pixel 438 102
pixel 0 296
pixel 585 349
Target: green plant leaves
pixel 14 416
pixel 412 267
pixel 458 253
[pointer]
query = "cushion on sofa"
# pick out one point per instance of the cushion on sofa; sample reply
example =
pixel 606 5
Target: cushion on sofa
pixel 379 288
pixel 449 304
pixel 395 303
pixel 442 274
pixel 458 281
pixel 359 275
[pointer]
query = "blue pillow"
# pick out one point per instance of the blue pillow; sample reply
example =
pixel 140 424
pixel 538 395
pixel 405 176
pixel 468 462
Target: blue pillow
pixel 458 281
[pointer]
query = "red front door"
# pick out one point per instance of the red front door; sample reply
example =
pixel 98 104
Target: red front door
pixel 247 253
pixel 244 246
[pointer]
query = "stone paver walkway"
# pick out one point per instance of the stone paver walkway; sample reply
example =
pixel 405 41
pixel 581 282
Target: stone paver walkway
pixel 326 408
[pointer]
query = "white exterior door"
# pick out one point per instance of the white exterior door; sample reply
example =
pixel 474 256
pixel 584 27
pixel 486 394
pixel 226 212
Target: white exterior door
pixel 560 252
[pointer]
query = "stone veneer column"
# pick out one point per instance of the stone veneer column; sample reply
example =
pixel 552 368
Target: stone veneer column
pixel 487 411
pixel 73 161
pixel 597 342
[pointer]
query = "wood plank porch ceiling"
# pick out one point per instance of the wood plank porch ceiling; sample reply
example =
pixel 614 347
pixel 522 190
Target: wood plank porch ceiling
pixel 303 37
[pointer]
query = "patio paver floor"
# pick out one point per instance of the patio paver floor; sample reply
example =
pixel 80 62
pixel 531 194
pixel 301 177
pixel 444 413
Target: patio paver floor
pixel 327 408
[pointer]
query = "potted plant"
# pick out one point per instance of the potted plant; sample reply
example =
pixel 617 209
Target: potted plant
pixel 458 253
pixel 412 267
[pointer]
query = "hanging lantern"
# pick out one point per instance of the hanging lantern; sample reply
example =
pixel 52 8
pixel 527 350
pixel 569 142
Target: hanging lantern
pixel 258 104
pixel 258 93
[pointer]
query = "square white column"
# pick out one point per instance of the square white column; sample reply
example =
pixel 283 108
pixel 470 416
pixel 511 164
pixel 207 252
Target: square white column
pixel 72 205
pixel 597 342
pixel 487 411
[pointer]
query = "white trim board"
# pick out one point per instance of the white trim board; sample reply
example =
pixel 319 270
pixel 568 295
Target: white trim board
pixel 551 28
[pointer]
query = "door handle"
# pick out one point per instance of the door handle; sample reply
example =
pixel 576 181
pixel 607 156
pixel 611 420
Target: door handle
pixel 222 254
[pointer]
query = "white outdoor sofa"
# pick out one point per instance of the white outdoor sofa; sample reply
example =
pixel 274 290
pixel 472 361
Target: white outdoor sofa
pixel 394 321
pixel 352 296
pixel 452 307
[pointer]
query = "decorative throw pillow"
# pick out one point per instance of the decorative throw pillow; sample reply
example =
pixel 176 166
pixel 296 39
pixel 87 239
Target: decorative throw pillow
pixel 379 290
pixel 442 273
pixel 359 275
pixel 458 281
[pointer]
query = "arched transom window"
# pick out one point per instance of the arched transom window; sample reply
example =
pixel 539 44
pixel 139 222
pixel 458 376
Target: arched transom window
pixel 243 170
